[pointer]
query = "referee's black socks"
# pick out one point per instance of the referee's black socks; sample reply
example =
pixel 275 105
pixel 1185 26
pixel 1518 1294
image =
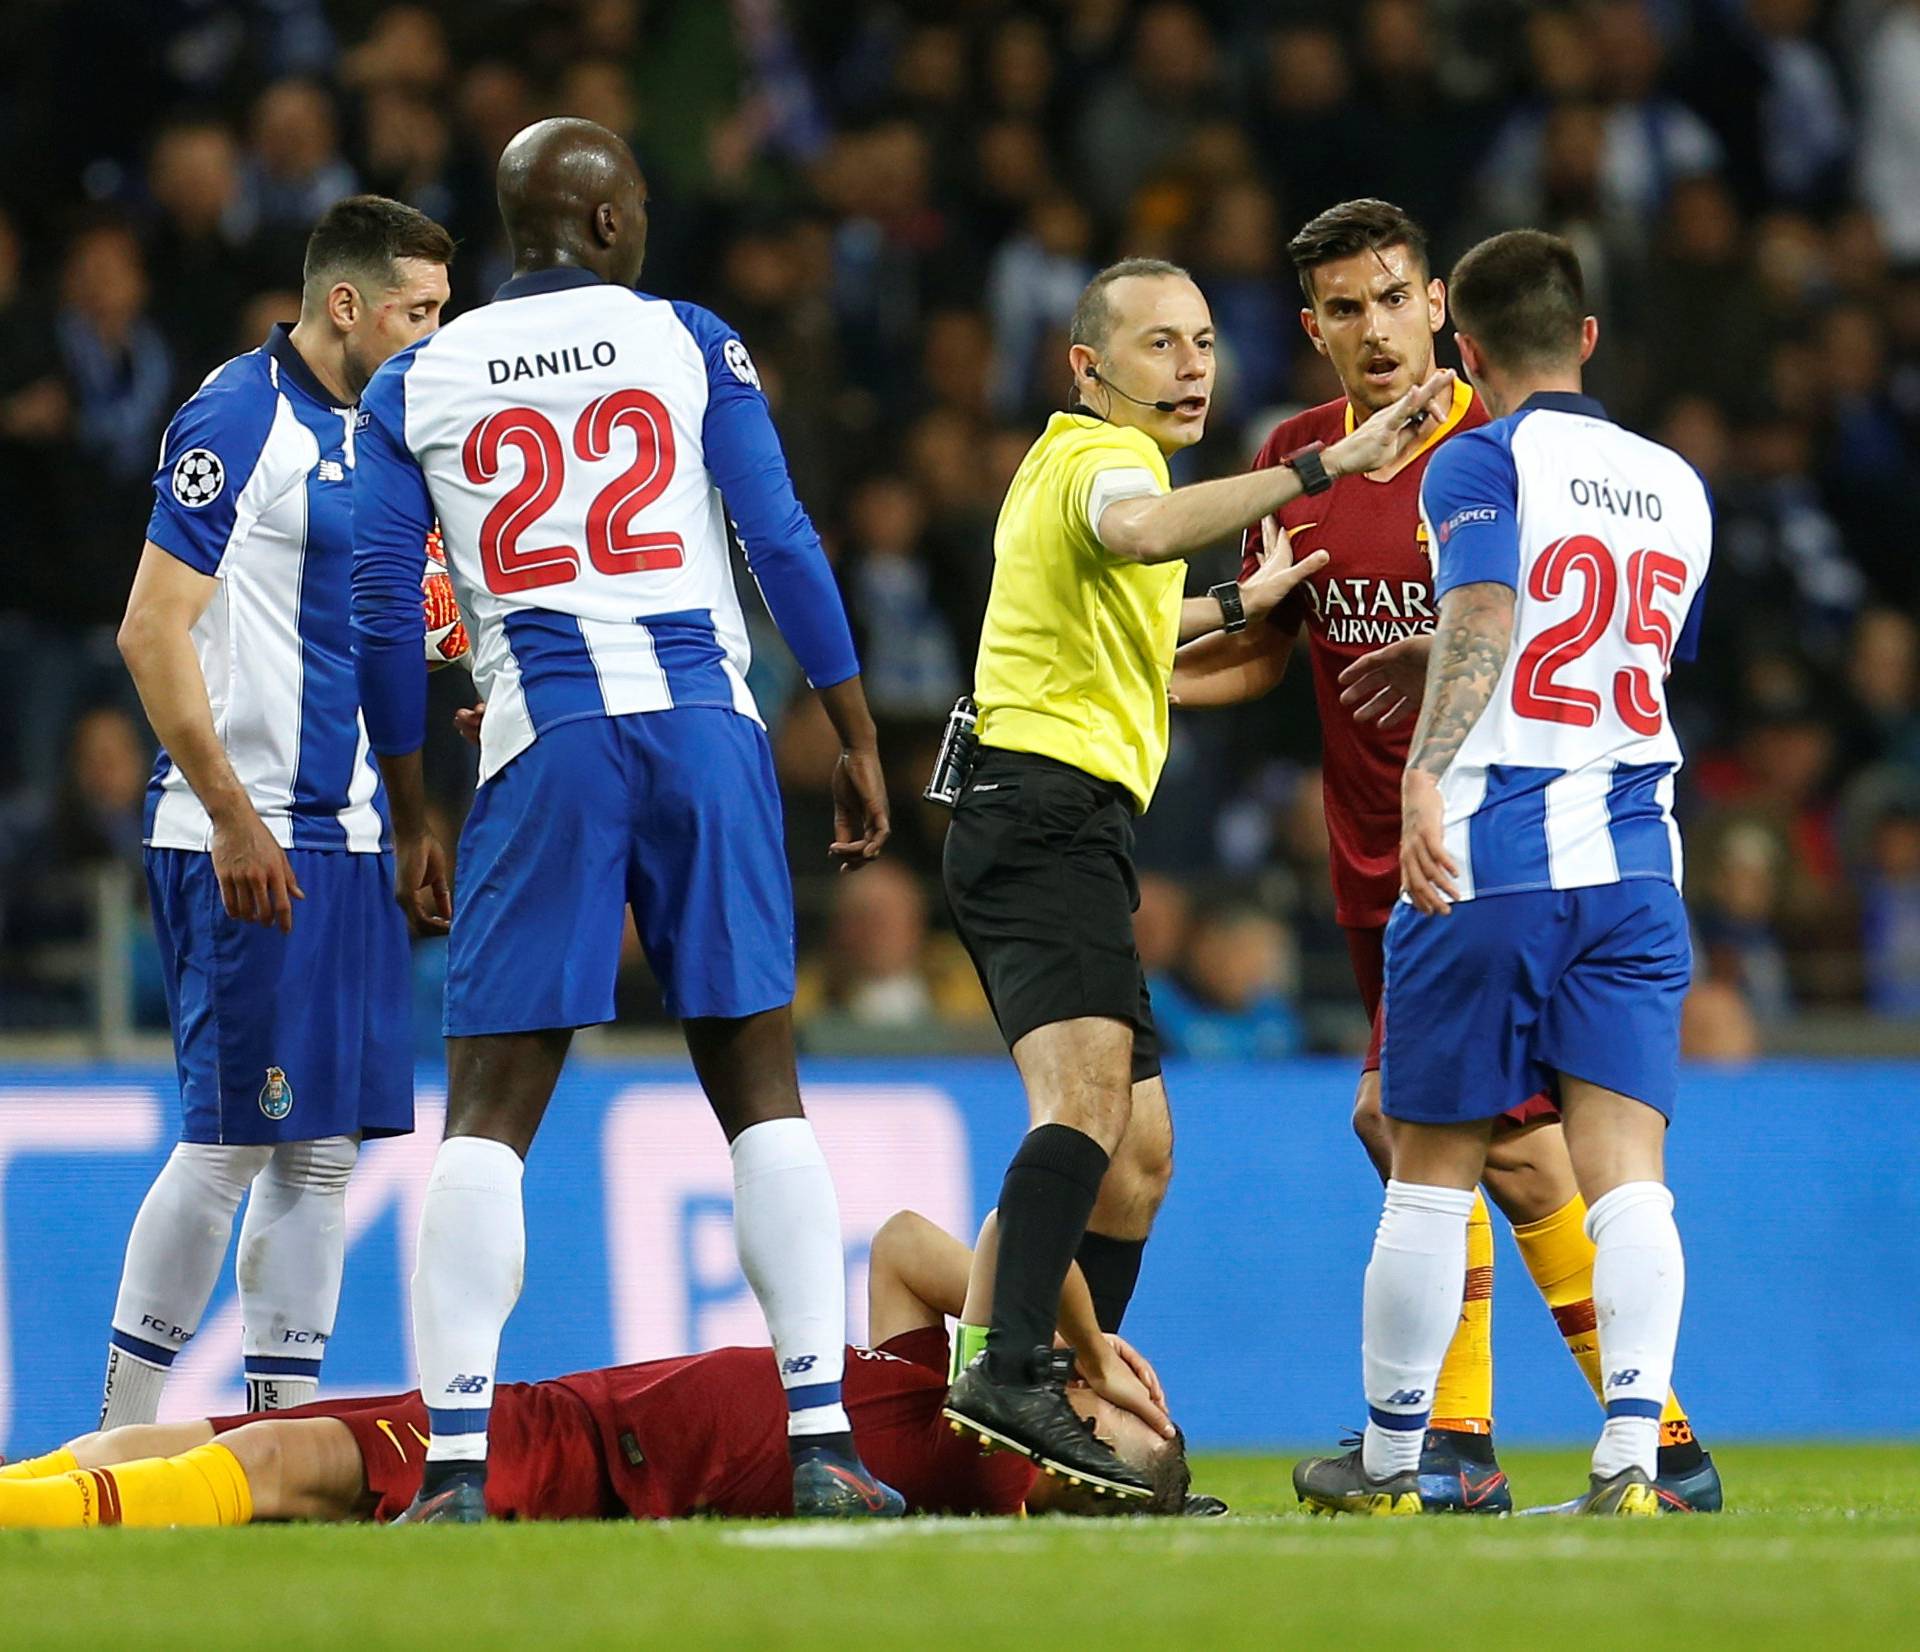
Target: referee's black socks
pixel 1045 1201
pixel 1112 1269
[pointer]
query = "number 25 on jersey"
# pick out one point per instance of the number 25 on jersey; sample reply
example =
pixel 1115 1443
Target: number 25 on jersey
pixel 1538 689
pixel 614 543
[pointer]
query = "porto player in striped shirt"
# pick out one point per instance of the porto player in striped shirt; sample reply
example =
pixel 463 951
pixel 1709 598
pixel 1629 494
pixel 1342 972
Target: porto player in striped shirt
pixel 1373 309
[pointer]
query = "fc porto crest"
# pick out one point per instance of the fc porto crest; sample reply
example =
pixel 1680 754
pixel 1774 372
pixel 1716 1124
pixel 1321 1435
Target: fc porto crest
pixel 276 1095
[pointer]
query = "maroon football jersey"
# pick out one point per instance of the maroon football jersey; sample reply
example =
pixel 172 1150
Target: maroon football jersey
pixel 1377 588
pixel 707 1433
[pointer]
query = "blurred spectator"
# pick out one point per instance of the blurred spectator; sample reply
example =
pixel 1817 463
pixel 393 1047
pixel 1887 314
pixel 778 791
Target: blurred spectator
pixel 1161 924
pixel 1239 266
pixel 116 360
pixel 295 170
pixel 1717 1025
pixel 1735 902
pixel 1032 286
pixel 198 251
pixel 405 50
pixel 409 149
pixel 1804 126
pixel 52 844
pixel 1883 671
pixel 1706 325
pixel 1889 72
pixel 1232 999
pixel 1135 122
pixel 879 967
pixel 910 666
pixel 1890 916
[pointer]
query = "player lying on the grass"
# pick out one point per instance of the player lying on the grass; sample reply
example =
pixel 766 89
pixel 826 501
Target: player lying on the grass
pixel 666 1439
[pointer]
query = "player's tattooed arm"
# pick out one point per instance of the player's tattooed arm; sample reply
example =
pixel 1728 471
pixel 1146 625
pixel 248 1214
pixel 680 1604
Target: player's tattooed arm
pixel 1469 652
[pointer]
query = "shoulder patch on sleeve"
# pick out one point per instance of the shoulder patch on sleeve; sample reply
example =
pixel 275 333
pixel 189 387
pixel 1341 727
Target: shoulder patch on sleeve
pixel 199 478
pixel 739 363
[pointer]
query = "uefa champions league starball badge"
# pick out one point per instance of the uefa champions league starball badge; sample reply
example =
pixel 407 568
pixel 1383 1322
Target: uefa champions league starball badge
pixel 198 477
pixel 276 1095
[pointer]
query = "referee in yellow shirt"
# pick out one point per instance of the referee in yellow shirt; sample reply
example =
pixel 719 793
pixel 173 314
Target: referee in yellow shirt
pixel 1085 613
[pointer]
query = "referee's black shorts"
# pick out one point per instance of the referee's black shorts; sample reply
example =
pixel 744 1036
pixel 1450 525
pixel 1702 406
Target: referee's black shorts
pixel 1039 875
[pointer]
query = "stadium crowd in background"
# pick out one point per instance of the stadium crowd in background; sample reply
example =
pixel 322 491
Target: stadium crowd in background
pixel 897 204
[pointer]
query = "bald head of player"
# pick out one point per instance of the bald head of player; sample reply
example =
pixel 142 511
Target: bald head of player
pixel 572 196
pixel 1520 317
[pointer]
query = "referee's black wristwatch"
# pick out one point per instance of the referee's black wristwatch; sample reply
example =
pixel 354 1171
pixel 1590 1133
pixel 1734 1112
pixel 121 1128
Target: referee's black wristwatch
pixel 1233 612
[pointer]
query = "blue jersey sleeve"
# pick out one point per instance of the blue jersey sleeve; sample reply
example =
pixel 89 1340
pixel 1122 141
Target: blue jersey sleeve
pixel 1470 498
pixel 210 453
pixel 392 516
pixel 1686 647
pixel 783 550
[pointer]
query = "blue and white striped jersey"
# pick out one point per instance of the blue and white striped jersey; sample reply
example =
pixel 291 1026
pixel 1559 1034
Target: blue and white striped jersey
pixel 582 446
pixel 1567 779
pixel 255 488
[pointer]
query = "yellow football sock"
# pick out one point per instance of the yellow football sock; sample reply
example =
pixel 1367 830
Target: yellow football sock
pixel 1463 1397
pixel 38 1468
pixel 202 1487
pixel 1559 1256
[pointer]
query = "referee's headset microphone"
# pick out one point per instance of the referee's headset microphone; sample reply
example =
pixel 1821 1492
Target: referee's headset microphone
pixel 1159 407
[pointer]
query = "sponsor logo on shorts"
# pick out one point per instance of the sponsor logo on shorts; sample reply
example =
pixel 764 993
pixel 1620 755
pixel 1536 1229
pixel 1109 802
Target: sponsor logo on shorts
pixel 276 1095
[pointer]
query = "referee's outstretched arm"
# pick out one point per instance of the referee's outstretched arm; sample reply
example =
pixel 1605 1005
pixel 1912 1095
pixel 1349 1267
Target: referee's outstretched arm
pixel 1164 527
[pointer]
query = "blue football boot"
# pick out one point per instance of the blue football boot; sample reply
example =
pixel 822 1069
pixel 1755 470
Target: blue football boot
pixel 461 1501
pixel 1459 1475
pixel 830 1485
pixel 1693 1490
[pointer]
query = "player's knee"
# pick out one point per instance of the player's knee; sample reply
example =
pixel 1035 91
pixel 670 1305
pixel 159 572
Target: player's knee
pixel 223 1171
pixel 322 1168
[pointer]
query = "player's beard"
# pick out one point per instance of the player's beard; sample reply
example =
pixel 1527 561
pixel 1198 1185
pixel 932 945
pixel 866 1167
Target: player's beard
pixel 1368 397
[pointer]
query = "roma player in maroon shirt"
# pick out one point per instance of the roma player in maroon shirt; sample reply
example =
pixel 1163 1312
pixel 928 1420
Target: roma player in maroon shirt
pixel 661 1440
pixel 1373 310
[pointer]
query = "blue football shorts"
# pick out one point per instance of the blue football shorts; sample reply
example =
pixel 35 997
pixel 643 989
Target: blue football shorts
pixel 1485 1005
pixel 675 813
pixel 287 1037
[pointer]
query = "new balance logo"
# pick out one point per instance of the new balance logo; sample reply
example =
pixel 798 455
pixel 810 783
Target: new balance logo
pixel 1408 1396
pixel 331 470
pixel 467 1385
pixel 800 1364
pixel 1625 1378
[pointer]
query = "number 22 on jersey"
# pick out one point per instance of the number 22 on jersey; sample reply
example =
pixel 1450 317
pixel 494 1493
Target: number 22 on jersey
pixel 1538 691
pixel 614 543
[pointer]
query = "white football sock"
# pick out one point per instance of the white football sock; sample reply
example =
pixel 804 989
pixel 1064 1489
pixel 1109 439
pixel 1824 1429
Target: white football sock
pixel 466 1279
pixel 1416 1283
pixel 786 1223
pixel 174 1252
pixel 293 1245
pixel 1639 1282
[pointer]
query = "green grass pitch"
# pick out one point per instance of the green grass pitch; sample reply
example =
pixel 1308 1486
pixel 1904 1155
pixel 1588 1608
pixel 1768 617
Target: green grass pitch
pixel 1820 1547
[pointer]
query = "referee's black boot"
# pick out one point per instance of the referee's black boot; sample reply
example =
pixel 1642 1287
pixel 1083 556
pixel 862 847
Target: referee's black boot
pixel 1034 1419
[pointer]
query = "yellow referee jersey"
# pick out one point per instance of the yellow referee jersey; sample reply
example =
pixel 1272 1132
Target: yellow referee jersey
pixel 1078 643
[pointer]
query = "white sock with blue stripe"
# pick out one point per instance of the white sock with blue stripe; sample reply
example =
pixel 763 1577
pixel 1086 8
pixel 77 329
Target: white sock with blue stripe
pixel 1639 1283
pixel 293 1245
pixel 174 1252
pixel 1416 1284
pixel 786 1223
pixel 466 1279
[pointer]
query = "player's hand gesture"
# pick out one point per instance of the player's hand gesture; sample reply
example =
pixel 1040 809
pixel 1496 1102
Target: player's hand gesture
pixel 1427 871
pixel 861 824
pixel 1388 685
pixel 1267 586
pixel 256 879
pixel 420 883
pixel 1394 430
pixel 1117 1377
